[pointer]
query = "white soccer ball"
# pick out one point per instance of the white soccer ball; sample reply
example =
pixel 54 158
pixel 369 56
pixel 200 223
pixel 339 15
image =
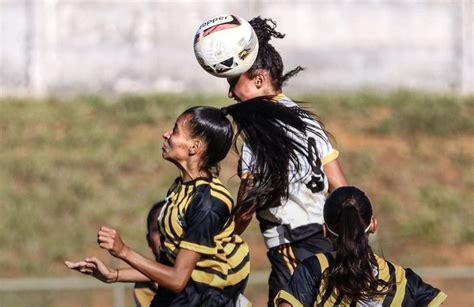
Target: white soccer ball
pixel 226 45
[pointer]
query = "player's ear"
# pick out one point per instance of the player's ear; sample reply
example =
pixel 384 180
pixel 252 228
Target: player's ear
pixel 325 231
pixel 259 79
pixel 195 147
pixel 373 227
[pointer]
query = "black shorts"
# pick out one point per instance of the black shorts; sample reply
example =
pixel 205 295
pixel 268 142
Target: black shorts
pixel 286 257
pixel 198 294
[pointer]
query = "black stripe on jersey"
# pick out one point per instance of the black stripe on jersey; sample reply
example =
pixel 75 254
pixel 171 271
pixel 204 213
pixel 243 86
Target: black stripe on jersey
pixel 234 270
pixel 232 240
pixel 389 297
pixel 338 300
pixel 174 235
pixel 223 194
pixel 240 266
pixel 216 182
pixel 211 271
pixel 327 295
pixel 234 251
pixel 184 199
pixel 205 257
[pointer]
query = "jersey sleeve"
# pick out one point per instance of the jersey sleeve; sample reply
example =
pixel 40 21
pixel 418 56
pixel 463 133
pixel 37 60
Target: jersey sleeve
pixel 423 293
pixel 246 164
pixel 325 150
pixel 303 285
pixel 204 218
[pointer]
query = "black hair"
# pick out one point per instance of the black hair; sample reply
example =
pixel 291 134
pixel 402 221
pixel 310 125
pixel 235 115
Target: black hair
pixel 268 58
pixel 212 125
pixel 268 129
pixel 347 214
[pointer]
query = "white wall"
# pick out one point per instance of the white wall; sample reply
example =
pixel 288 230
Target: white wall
pixel 116 46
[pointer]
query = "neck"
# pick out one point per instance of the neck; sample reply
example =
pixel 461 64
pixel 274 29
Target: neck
pixel 191 173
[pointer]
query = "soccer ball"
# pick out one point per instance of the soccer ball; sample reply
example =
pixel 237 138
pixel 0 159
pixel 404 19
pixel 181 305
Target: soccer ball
pixel 225 45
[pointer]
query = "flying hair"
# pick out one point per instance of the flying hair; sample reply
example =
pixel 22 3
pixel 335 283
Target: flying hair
pixel 269 130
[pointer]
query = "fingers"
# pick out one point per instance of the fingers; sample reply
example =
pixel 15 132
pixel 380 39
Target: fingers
pixel 106 237
pixel 81 266
pixel 104 230
pixel 94 261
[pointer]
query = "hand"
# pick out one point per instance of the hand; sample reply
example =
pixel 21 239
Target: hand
pixel 93 267
pixel 109 239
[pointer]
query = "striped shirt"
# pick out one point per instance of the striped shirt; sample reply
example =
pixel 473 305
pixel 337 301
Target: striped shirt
pixel 197 216
pixel 307 288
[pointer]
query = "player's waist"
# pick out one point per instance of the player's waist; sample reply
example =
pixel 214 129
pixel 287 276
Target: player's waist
pixel 282 234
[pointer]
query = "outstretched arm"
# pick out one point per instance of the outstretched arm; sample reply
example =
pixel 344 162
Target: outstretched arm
pixel 96 268
pixel 173 278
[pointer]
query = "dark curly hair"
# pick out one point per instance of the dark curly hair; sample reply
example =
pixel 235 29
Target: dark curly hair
pixel 268 58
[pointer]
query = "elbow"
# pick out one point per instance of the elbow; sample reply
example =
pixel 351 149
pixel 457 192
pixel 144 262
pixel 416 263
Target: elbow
pixel 178 285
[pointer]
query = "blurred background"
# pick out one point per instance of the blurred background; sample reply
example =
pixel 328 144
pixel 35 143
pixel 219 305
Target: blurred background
pixel 88 87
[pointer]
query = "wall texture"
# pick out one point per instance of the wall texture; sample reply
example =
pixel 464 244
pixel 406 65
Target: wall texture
pixel 116 46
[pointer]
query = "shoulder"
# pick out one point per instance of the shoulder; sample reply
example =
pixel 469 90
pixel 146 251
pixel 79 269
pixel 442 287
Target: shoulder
pixel 213 194
pixel 285 100
pixel 318 263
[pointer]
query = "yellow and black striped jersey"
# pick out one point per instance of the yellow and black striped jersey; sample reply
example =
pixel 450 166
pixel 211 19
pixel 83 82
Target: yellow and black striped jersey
pixel 307 287
pixel 143 293
pixel 198 216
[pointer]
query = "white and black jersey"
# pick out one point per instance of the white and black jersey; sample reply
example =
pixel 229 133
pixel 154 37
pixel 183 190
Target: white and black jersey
pixel 301 215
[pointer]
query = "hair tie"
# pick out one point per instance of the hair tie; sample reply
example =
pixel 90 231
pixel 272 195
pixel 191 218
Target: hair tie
pixel 224 111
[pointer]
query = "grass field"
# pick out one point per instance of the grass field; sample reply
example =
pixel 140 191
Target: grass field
pixel 69 165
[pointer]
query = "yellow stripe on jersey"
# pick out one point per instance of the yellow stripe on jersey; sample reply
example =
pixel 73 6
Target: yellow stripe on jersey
pixel 323 261
pixel 198 248
pixel 215 280
pixel 222 198
pixel 246 175
pixel 292 257
pixel 324 264
pixel 284 251
pixel 401 286
pixel 384 273
pixel 278 97
pixel 225 264
pixel 333 155
pixel 438 300
pixel 283 295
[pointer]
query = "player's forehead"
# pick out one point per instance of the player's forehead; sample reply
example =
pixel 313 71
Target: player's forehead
pixel 233 81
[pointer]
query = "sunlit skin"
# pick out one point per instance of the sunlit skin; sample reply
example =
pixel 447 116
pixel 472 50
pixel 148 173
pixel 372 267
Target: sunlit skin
pixel 185 151
pixel 259 83
pixel 245 86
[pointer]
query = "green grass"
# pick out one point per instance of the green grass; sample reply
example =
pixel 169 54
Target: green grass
pixel 69 165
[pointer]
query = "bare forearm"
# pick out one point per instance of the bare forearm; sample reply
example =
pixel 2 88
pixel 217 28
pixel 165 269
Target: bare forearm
pixel 130 275
pixel 173 278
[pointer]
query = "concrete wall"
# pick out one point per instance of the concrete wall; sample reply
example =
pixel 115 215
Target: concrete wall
pixel 115 46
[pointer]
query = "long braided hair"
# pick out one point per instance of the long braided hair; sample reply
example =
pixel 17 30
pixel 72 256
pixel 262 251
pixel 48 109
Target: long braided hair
pixel 268 58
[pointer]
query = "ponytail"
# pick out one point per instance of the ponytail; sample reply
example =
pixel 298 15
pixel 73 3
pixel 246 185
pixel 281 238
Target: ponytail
pixel 348 215
pixel 266 128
